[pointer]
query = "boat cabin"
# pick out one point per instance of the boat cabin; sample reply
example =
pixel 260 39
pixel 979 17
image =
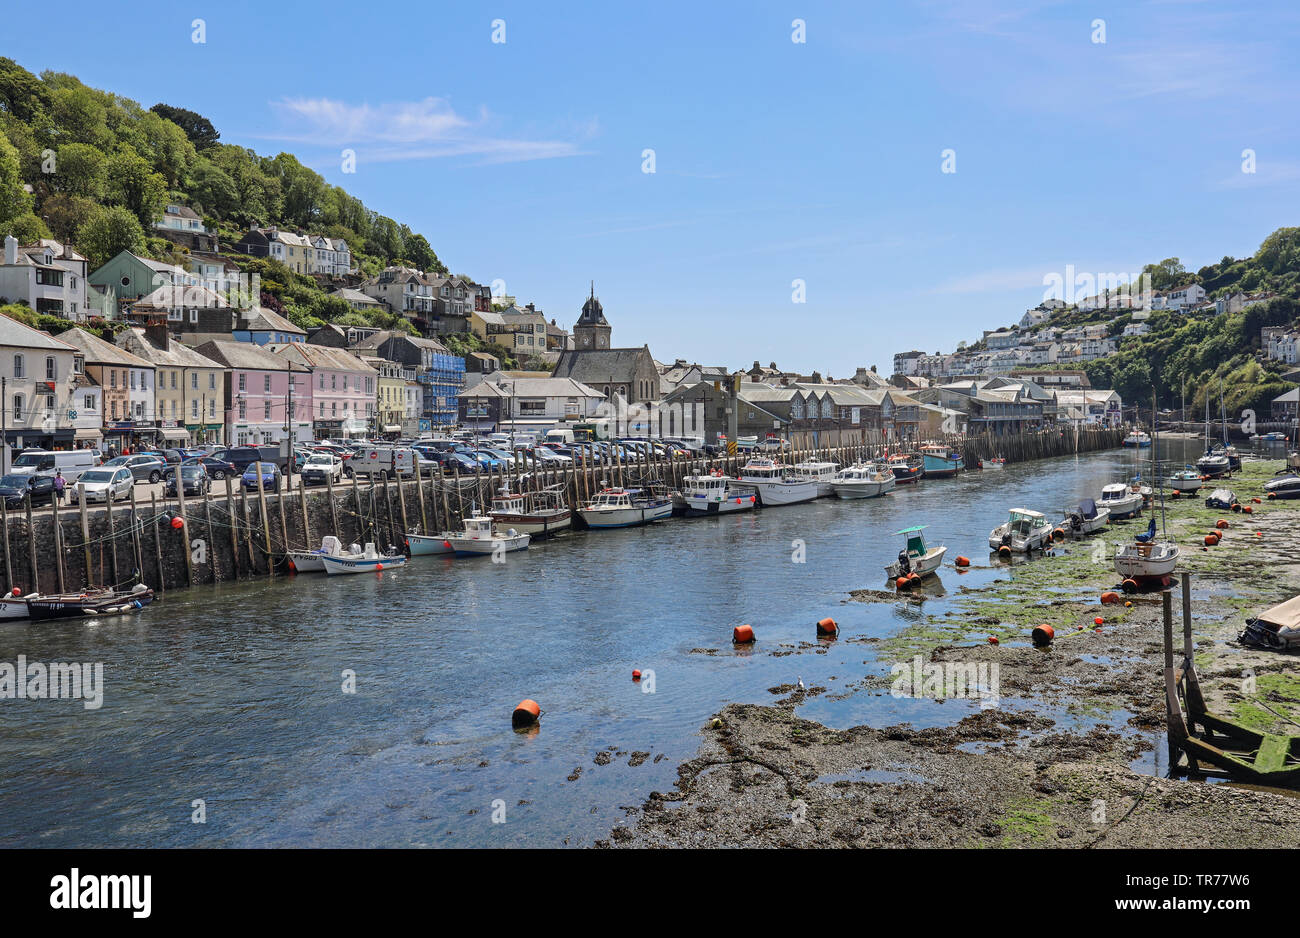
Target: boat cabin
pixel 1022 521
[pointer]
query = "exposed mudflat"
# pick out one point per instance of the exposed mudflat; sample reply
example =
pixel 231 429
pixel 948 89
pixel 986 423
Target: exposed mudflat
pixel 1071 750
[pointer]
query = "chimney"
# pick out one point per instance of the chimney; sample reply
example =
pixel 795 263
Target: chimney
pixel 756 368
pixel 11 249
pixel 157 334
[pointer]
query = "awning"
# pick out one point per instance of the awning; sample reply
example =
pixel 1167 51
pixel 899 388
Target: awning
pixel 174 433
pixel 87 433
pixel 393 428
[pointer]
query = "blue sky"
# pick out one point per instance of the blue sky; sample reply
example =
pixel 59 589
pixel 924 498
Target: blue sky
pixel 775 161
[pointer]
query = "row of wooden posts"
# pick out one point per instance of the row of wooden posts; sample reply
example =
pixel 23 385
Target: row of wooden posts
pixel 440 502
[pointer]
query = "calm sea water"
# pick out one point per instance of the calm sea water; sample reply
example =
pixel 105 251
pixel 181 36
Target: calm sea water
pixel 233 694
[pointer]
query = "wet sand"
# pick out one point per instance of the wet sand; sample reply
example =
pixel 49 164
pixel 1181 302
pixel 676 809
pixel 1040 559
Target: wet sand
pixel 1053 763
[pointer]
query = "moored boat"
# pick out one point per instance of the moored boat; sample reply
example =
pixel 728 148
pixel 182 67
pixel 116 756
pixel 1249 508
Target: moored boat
pixel 627 508
pixel 997 462
pixel 863 481
pixel 823 473
pixel 1137 437
pixel 309 561
pixel 1086 518
pixel 906 467
pixel 102 602
pixel 916 556
pixel 1222 499
pixel 941 462
pixel 716 494
pixel 1286 484
pixel 776 484
pixel 369 560
pixel 14 605
pixel 1023 531
pixel 480 538
pixel 534 513
pixel 1119 501
pixel 1186 481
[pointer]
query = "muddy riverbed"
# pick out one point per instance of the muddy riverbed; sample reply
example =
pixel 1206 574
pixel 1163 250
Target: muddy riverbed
pixel 1071 750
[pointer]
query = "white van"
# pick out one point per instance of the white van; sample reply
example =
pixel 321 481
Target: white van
pixel 71 462
pixel 383 462
pixel 560 435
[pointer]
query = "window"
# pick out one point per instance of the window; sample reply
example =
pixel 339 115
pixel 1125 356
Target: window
pixel 243 381
pixel 131 374
pixel 18 405
pixel 194 381
pixel 212 409
pixel 322 381
pixel 112 378
pixel 266 383
pixel 243 410
pixel 267 408
pixel 18 366
pixel 139 407
pixel 78 365
pixel 194 408
pixel 88 402
pixel 322 408
pixel 334 382
pixel 212 380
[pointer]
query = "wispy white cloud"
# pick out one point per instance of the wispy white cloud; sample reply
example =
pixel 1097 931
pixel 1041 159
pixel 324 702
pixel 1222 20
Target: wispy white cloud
pixel 414 130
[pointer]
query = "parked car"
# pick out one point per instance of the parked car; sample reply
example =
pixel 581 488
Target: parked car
pixel 322 467
pixel 18 491
pixel 194 477
pixel 217 468
pixel 143 468
pixel 459 462
pixel 271 476
pixel 485 459
pixel 104 484
pixel 244 456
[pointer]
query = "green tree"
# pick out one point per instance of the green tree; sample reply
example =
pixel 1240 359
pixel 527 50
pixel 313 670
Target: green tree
pixel 14 200
pixel 197 128
pixel 133 184
pixel 80 169
pixel 108 232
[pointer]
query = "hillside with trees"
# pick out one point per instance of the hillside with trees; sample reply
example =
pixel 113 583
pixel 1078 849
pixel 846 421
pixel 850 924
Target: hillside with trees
pixel 96 169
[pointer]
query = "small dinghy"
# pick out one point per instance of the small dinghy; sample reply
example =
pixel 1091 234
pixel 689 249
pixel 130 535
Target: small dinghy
pixel 1277 629
pixel 89 603
pixel 1186 481
pixel 1222 499
pixel 915 557
pixel 1087 518
pixel 1147 559
pixel 997 462
pixel 863 481
pixel 429 545
pixel 368 561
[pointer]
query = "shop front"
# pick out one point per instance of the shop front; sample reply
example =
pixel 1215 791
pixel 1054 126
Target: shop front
pixel 133 435
pixel 204 434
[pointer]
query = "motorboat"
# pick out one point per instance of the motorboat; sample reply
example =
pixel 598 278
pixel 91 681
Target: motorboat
pixel 626 508
pixel 309 561
pixel 369 560
pixel 1138 487
pixel 1023 531
pixel 941 461
pixel 1119 501
pixel 997 462
pixel 1147 560
pixel 481 537
pixel 534 513
pixel 1277 629
pixel 716 494
pixel 906 467
pixel 1086 518
pixel 102 602
pixel 1273 436
pixel 863 481
pixel 777 484
pixel 1138 438
pixel 1214 464
pixel 1286 484
pixel 1186 481
pixel 916 556
pixel 1222 499
pixel 823 473
pixel 14 605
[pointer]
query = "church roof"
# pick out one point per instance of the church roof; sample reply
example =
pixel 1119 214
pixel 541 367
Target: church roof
pixel 593 314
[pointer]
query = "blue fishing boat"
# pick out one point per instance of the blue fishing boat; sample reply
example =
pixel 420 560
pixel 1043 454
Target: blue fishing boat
pixel 941 461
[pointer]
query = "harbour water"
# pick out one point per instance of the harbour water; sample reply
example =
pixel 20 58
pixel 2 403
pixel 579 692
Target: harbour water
pixel 233 695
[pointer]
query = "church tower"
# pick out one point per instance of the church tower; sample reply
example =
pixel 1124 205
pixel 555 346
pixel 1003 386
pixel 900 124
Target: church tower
pixel 591 331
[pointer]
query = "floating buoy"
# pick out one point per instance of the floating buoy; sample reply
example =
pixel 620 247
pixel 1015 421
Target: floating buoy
pixel 293 566
pixel 447 544
pixel 1098 621
pixel 1130 585
pixel 993 639
pixel 742 635
pixel 1108 597
pixel 827 626
pixel 636 674
pixel 1058 534
pixel 15 592
pixel 1043 634
pixel 379 567
pixel 526 714
pixel 1220 524
pixel 1211 540
pixel 963 561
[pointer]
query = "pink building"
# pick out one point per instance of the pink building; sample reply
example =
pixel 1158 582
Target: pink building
pixel 268 398
pixel 344 392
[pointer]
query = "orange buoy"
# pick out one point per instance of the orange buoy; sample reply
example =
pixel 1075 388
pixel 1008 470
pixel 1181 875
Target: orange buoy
pixel 1004 551
pixel 1236 507
pixel 900 582
pixel 1108 597
pixel 177 523
pixel 1130 585
pixel 827 626
pixel 1220 524
pixel 963 561
pixel 1247 509
pixel 1272 495
pixel 742 635
pixel 293 566
pixel 15 592
pixel 636 674
pixel 993 639
pixel 526 714
pixel 1173 494
pixel 1128 605
pixel 1043 634
pixel 447 544
pixel 1098 621
pixel 1058 534
pixel 1254 501
pixel 1211 540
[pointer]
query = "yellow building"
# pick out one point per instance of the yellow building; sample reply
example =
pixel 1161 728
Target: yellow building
pixel 390 393
pixel 189 388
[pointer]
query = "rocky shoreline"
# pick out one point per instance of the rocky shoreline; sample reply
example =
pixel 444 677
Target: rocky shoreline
pixel 1067 757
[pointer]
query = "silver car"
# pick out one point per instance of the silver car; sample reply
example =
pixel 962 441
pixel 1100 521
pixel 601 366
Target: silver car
pixel 143 468
pixel 103 485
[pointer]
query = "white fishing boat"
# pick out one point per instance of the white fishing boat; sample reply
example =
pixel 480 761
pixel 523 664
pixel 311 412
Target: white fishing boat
pixel 1186 481
pixel 311 561
pixel 1119 501
pixel 626 508
pixel 14 605
pixel 1137 438
pixel 863 481
pixel 368 561
pixel 915 557
pixel 535 513
pixel 481 537
pixel 1146 558
pixel 1023 531
pixel 1215 463
pixel 775 484
pixel 823 473
pixel 1286 484
pixel 716 494
pixel 429 545
pixel 1086 518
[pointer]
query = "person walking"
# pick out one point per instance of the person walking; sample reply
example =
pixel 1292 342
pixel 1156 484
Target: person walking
pixel 59 483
